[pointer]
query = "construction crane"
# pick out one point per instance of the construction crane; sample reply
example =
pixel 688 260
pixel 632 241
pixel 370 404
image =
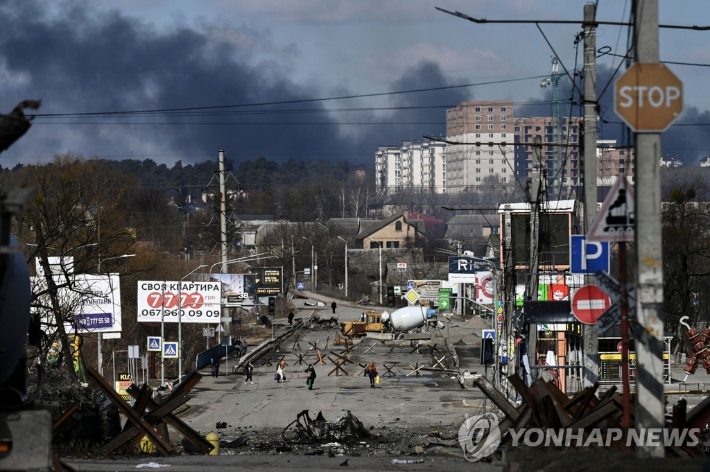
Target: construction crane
pixel 554 80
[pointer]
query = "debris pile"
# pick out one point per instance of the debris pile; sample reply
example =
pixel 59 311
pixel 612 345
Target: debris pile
pixel 546 407
pixel 304 430
pixel 84 418
pixel 316 322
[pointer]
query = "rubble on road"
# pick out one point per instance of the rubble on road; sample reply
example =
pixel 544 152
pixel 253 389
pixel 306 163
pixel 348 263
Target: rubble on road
pixel 304 430
pixel 316 322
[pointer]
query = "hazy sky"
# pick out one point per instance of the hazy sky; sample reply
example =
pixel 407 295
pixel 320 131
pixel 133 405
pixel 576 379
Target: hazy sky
pixel 251 76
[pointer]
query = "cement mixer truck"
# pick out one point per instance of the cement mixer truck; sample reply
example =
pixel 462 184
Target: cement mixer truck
pixel 386 325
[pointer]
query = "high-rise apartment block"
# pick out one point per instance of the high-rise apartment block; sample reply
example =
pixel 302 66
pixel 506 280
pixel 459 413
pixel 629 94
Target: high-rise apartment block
pixel 485 131
pixel 488 145
pixel 413 165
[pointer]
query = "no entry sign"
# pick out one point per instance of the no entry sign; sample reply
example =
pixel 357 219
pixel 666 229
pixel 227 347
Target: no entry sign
pixel 588 303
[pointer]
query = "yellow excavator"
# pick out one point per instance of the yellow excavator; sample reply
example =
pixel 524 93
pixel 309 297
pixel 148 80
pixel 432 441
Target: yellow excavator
pixel 369 322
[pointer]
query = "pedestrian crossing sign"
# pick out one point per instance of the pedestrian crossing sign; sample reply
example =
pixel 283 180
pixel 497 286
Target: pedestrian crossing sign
pixel 154 343
pixel 170 350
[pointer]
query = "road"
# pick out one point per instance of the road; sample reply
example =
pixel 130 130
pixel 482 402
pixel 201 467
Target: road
pixel 404 405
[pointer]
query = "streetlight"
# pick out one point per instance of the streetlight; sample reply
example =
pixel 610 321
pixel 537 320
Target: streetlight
pixel 99 355
pixel 313 275
pixel 346 265
pixel 180 320
pixel 379 287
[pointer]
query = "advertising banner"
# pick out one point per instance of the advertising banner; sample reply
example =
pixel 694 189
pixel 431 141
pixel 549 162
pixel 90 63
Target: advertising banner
pixel 93 300
pixel 198 302
pixel 269 280
pixel 237 289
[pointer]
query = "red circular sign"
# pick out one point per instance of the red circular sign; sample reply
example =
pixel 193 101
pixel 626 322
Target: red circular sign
pixel 588 303
pixel 620 346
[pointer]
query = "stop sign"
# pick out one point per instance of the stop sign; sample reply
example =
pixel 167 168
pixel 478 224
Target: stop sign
pixel 588 303
pixel 648 97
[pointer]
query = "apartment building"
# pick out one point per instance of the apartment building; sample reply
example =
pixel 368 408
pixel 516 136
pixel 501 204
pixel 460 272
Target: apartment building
pixel 413 165
pixel 559 154
pixel 613 161
pixel 484 131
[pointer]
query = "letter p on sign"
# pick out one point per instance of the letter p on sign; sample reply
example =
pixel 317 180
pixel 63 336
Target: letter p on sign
pixel 648 97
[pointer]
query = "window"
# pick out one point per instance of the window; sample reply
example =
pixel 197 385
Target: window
pixel 478 118
pixel 503 126
pixel 502 117
pixel 490 117
pixel 490 153
pixel 478 135
pixel 502 109
pixel 398 226
pixel 478 179
pixel 392 244
pixel 503 170
pixel 504 179
pixel 478 126
pixel 490 161
pixel 517 129
pixel 478 144
pixel 504 135
pixel 477 109
pixel 490 126
pixel 491 171
pixel 490 109
pixel 478 161
pixel 490 135
pixel 478 170
pixel 478 153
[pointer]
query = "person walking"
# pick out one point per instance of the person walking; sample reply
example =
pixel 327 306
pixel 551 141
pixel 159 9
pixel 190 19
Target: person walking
pixel 290 318
pixel 334 306
pixel 281 372
pixel 371 371
pixel 250 370
pixel 215 368
pixel 310 376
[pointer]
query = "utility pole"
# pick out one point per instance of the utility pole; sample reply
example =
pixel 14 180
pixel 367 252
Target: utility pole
pixel 222 211
pixel 589 332
pixel 650 409
pixel 222 234
pixel 537 187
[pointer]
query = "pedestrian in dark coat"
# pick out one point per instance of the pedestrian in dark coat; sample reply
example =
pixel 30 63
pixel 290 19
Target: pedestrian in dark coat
pixel 334 306
pixel 215 368
pixel 310 376
pixel 250 369
pixel 290 318
pixel 371 371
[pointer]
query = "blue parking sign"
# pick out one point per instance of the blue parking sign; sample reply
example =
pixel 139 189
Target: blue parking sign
pixel 588 257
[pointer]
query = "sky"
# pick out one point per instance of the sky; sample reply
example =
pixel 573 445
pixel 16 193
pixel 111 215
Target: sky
pixel 178 80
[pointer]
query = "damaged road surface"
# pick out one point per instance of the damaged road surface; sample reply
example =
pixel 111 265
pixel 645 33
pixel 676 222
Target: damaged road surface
pixel 304 430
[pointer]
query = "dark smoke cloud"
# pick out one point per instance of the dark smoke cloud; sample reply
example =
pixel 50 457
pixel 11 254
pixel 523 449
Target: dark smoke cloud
pixel 84 60
pixel 687 140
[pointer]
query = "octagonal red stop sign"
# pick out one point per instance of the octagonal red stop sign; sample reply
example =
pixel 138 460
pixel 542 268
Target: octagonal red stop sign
pixel 588 303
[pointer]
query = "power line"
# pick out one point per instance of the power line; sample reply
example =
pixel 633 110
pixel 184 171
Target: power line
pixel 290 102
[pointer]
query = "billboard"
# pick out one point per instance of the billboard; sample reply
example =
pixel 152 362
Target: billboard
pixel 94 301
pixel 237 289
pixel 269 280
pixel 159 300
